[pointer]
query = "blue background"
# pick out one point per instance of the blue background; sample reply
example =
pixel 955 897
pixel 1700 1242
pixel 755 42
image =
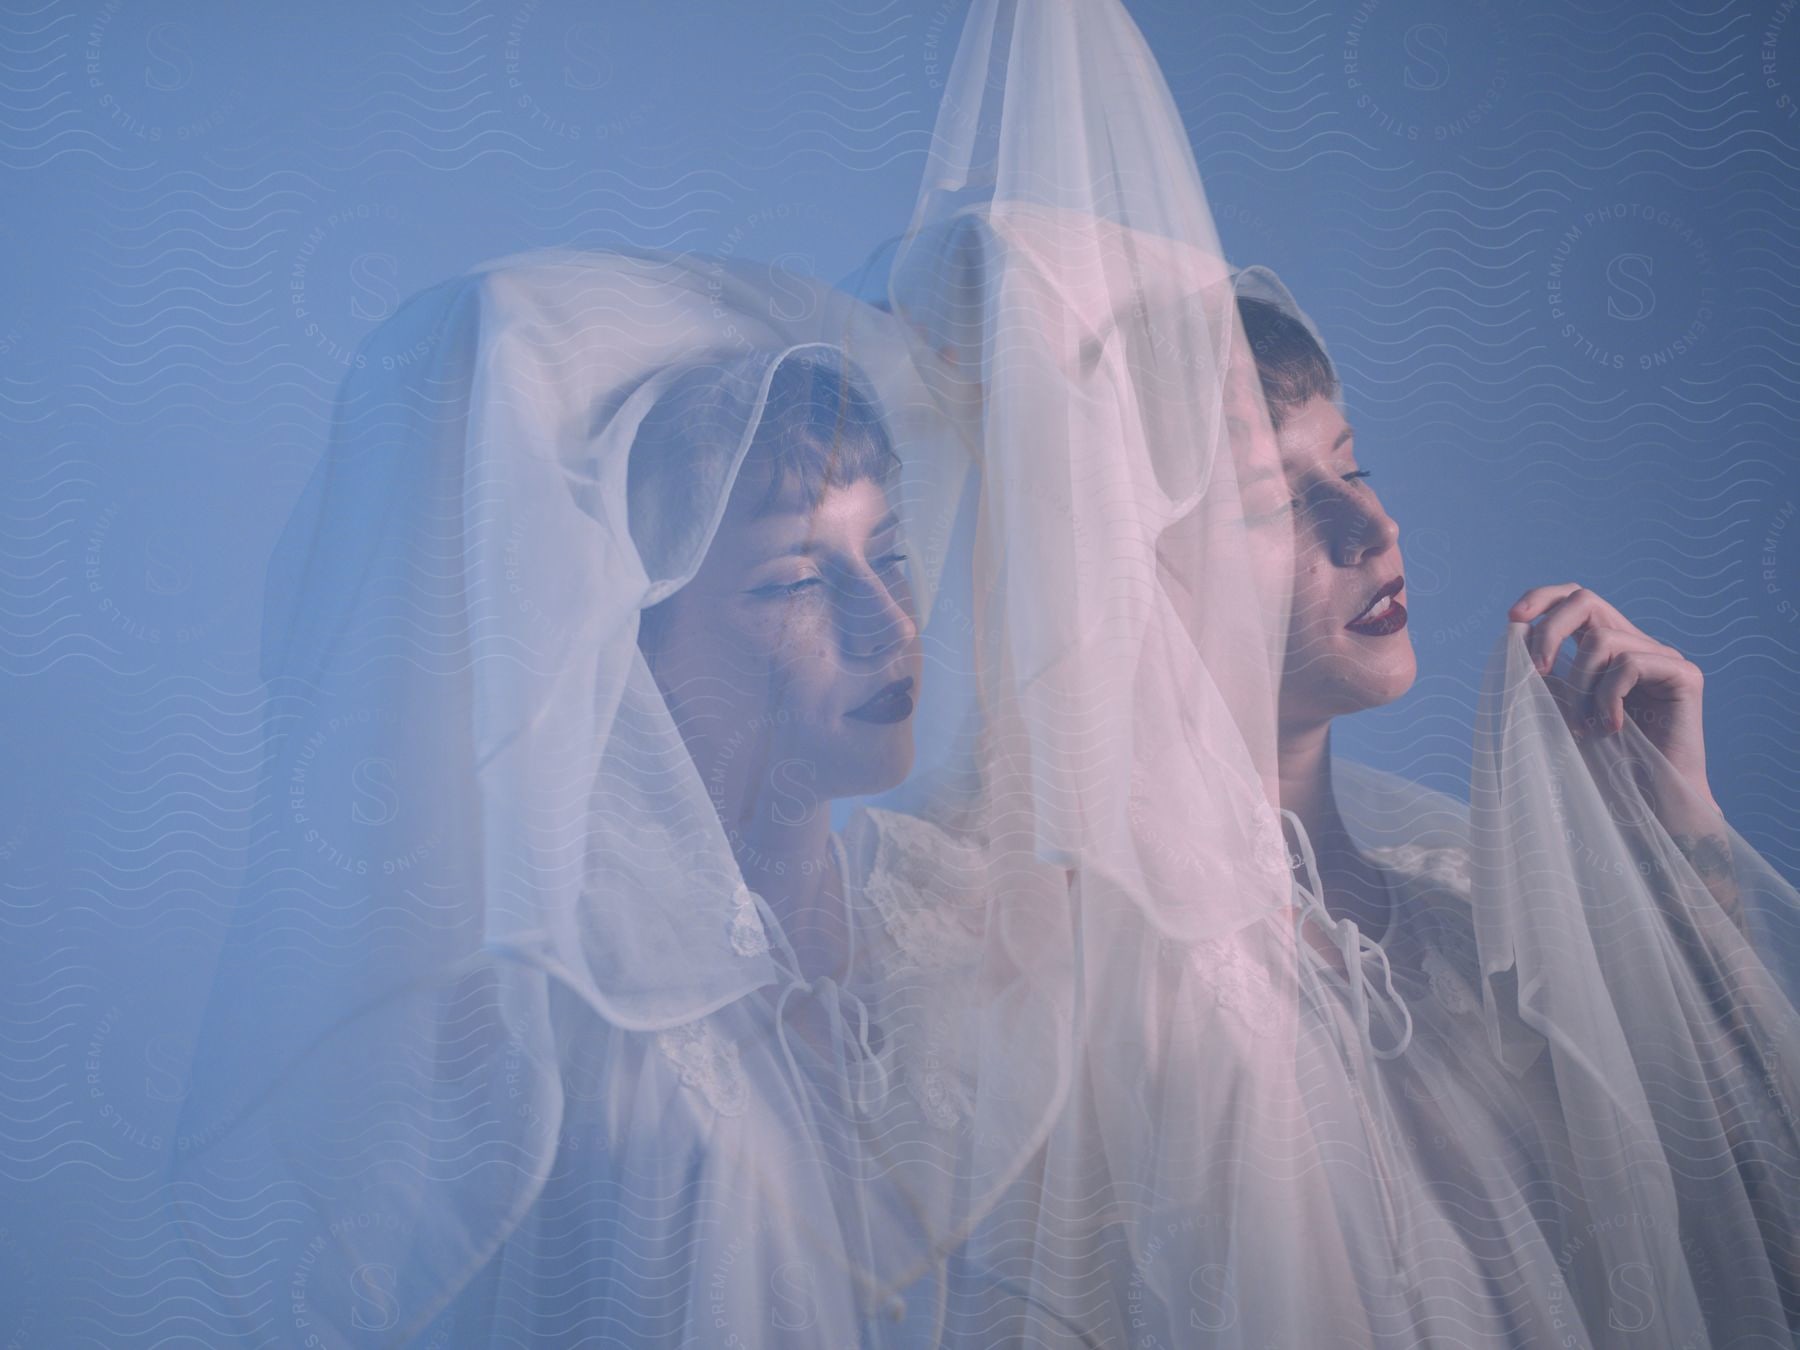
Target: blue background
pixel 1552 247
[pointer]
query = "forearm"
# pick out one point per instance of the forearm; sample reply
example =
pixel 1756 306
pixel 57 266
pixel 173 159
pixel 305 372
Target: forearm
pixel 1696 826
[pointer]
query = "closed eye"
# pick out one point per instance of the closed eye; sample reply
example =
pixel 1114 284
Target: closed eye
pixel 783 590
pixel 1296 504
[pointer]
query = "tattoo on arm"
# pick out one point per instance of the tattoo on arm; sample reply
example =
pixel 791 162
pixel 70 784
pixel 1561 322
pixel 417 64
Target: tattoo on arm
pixel 1710 857
pixel 1708 854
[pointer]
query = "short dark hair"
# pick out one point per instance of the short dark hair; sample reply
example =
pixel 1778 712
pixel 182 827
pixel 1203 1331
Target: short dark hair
pixel 1290 363
pixel 820 428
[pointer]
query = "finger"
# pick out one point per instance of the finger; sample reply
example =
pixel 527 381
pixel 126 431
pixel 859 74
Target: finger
pixel 1538 599
pixel 1561 621
pixel 1618 680
pixel 1662 675
pixel 1596 646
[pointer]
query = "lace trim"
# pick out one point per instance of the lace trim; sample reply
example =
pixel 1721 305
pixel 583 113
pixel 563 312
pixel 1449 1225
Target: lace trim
pixel 1269 849
pixel 942 1098
pixel 1449 985
pixel 1450 959
pixel 1447 867
pixel 707 1062
pixel 926 886
pixel 1239 984
pixel 748 936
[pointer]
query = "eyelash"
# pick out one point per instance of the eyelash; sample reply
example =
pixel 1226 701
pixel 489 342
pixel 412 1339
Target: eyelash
pixel 788 590
pixel 1292 503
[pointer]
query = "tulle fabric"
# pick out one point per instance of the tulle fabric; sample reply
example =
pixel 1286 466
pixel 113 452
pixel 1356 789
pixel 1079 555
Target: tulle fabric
pixel 1551 1105
pixel 1662 998
pixel 503 1048
pixel 1072 312
pixel 1591 1122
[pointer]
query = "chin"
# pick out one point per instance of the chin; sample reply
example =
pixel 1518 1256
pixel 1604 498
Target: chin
pixel 1347 683
pixel 866 760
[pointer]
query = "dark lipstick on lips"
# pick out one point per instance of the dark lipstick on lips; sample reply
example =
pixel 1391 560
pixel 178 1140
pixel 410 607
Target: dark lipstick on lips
pixel 1383 614
pixel 892 703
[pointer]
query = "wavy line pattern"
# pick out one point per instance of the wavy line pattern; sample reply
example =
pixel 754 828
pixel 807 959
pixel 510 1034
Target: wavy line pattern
pixel 1544 241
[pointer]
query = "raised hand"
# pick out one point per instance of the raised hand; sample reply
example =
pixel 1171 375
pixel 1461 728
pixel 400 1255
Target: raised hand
pixel 1619 671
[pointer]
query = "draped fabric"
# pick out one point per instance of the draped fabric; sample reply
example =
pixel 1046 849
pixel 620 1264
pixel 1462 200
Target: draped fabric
pixel 507 1043
pixel 1066 295
pixel 515 1041
pixel 1550 1103
pixel 1597 977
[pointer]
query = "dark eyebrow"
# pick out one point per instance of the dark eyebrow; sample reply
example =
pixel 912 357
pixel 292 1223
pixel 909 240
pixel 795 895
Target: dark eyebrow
pixel 1347 434
pixel 891 521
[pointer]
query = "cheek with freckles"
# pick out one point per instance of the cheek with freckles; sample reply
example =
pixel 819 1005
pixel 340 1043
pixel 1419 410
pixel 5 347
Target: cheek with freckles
pixel 800 653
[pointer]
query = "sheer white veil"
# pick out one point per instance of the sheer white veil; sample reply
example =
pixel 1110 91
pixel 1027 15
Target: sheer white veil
pixel 484 853
pixel 1636 977
pixel 1236 1141
pixel 1071 309
pixel 1648 947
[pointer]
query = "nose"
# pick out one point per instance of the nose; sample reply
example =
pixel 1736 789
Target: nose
pixel 876 619
pixel 1361 529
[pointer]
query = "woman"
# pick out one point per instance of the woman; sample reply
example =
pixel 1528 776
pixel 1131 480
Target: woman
pixel 1595 1080
pixel 1072 313
pixel 554 1011
pixel 1272 1138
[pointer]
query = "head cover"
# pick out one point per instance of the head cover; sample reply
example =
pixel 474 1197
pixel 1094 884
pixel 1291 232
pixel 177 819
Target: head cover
pixel 1598 981
pixel 1064 289
pixel 500 1020
pixel 1251 1102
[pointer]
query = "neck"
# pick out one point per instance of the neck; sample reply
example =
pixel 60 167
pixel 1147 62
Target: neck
pixel 789 863
pixel 1354 889
pixel 1303 754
